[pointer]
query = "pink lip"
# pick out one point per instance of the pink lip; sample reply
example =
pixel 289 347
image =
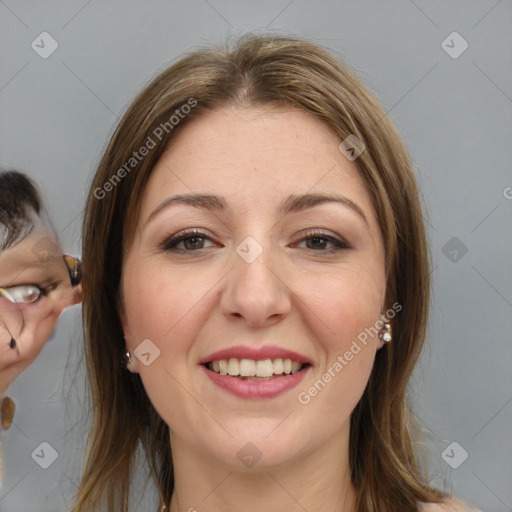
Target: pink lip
pixel 259 354
pixel 256 389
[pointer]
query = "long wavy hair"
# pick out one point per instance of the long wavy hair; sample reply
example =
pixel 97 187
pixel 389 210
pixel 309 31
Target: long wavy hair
pixel 253 71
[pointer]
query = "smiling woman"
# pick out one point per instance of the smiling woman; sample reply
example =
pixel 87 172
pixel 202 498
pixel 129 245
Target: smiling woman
pixel 239 266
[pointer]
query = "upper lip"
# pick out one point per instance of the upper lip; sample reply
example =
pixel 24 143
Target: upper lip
pixel 260 353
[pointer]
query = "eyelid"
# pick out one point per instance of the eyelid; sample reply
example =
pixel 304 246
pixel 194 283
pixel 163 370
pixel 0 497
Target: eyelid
pixel 180 236
pixel 170 242
pixel 339 242
pixel 319 232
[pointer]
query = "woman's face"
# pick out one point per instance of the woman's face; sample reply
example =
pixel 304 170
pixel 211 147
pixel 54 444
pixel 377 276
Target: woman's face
pixel 35 288
pixel 271 274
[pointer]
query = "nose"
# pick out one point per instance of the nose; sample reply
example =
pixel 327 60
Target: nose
pixel 256 291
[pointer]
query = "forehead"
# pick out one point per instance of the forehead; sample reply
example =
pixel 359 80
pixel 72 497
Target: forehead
pixel 38 252
pixel 254 157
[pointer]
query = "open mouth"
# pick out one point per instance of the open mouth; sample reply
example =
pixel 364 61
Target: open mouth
pixel 256 370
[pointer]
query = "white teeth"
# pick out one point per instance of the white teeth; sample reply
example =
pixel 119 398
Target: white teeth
pixel 247 368
pixel 233 367
pixel 223 367
pixel 264 368
pixel 278 366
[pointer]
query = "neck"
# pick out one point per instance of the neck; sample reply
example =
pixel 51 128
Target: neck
pixel 318 481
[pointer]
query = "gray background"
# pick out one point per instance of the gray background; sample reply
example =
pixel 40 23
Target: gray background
pixel 454 113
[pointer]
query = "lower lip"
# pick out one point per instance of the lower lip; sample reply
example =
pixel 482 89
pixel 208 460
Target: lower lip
pixel 256 388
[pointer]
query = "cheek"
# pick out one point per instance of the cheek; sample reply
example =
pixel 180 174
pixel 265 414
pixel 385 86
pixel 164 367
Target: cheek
pixel 348 302
pixel 160 303
pixel 168 308
pixel 344 309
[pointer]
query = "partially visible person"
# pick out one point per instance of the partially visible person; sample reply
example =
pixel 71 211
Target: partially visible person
pixel 37 282
pixel 262 273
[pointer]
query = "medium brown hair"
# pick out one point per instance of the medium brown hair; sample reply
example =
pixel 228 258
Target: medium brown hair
pixel 255 71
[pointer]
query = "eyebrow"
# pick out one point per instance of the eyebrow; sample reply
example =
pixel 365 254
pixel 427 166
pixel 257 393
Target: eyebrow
pixel 293 203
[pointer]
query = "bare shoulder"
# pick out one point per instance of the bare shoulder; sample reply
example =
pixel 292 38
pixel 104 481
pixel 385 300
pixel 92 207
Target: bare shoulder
pixel 450 505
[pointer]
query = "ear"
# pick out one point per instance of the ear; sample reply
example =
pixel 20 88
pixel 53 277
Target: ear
pixel 77 294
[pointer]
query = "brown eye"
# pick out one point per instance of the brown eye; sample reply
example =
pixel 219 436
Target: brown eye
pixel 24 294
pixel 191 239
pixel 318 241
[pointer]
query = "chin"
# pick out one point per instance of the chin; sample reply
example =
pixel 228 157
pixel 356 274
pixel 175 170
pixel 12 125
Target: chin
pixel 257 445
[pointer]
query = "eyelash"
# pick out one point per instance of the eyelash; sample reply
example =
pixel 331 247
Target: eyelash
pixel 170 243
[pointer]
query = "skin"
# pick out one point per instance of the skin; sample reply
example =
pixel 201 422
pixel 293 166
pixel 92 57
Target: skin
pixel 296 295
pixel 35 260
